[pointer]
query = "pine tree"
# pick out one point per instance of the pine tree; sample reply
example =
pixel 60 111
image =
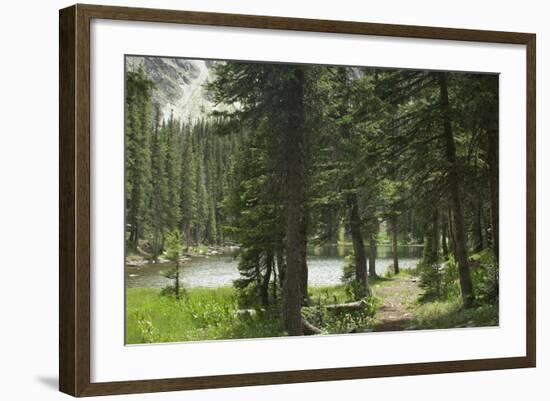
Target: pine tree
pixel 188 196
pixel 159 190
pixel 172 137
pixel 201 217
pixel 138 158
pixel 256 220
pixel 277 95
pixel 174 250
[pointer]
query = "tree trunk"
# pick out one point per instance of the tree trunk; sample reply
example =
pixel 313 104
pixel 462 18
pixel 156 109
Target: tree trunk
pixel 292 289
pixel 478 229
pixel 294 141
pixel 258 272
pixel 281 265
pixel 372 256
pixel 431 240
pixel 133 240
pixel 156 247
pixel 451 231
pixel 197 236
pixel 264 289
pixel 455 199
pixel 303 264
pixel 444 246
pixel 274 282
pixel 435 232
pixel 493 143
pixel 357 239
pixel 486 227
pixel 394 244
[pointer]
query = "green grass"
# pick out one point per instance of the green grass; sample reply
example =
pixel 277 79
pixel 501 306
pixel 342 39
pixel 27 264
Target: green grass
pixel 330 294
pixel 335 294
pixel 338 322
pixel 212 314
pixel 451 314
pixel 202 314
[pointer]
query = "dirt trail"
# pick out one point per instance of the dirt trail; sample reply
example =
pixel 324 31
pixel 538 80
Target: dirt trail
pixel 394 313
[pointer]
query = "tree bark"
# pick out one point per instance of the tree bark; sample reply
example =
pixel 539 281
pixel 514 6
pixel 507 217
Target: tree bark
pixel 372 256
pixel 431 240
pixel 264 289
pixel 274 282
pixel 197 235
pixel 455 199
pixel 451 231
pixel 294 141
pixel 133 240
pixel 281 265
pixel 478 229
pixel 444 246
pixel 357 239
pixel 493 143
pixel 394 244
pixel 303 264
pixel 435 232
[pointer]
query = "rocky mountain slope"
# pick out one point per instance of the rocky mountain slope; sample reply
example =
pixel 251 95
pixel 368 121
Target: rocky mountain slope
pixel 180 85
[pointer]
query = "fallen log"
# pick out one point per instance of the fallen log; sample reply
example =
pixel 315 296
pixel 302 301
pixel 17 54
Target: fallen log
pixel 350 306
pixel 308 329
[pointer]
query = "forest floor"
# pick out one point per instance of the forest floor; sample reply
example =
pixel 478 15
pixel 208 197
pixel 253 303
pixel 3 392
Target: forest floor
pixel 400 309
pixel 212 313
pixel 397 296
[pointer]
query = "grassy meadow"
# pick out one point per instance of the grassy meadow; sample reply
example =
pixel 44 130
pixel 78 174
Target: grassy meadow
pixel 214 313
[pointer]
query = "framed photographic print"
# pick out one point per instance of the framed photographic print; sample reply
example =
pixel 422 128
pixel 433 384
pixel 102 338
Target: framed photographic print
pixel 250 200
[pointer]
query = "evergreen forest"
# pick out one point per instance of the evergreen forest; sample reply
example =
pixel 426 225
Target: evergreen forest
pixel 292 158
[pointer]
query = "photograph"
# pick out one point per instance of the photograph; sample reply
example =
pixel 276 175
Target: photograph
pixel 278 199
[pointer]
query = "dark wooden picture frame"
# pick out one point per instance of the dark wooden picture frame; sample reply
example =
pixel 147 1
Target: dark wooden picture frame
pixel 74 202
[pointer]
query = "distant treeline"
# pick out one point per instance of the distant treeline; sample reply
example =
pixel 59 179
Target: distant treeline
pixel 176 174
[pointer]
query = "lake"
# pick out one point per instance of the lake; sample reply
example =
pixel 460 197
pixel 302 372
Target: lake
pixel 325 267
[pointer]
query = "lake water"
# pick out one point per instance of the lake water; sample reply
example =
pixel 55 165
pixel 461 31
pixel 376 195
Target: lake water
pixel 325 266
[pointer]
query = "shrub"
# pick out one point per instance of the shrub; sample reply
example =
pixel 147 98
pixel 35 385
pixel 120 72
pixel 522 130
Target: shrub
pixel 336 322
pixel 247 295
pixel 170 290
pixel 355 290
pixel 146 329
pixel 485 277
pixel 390 271
pixel 439 280
pixel 174 249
